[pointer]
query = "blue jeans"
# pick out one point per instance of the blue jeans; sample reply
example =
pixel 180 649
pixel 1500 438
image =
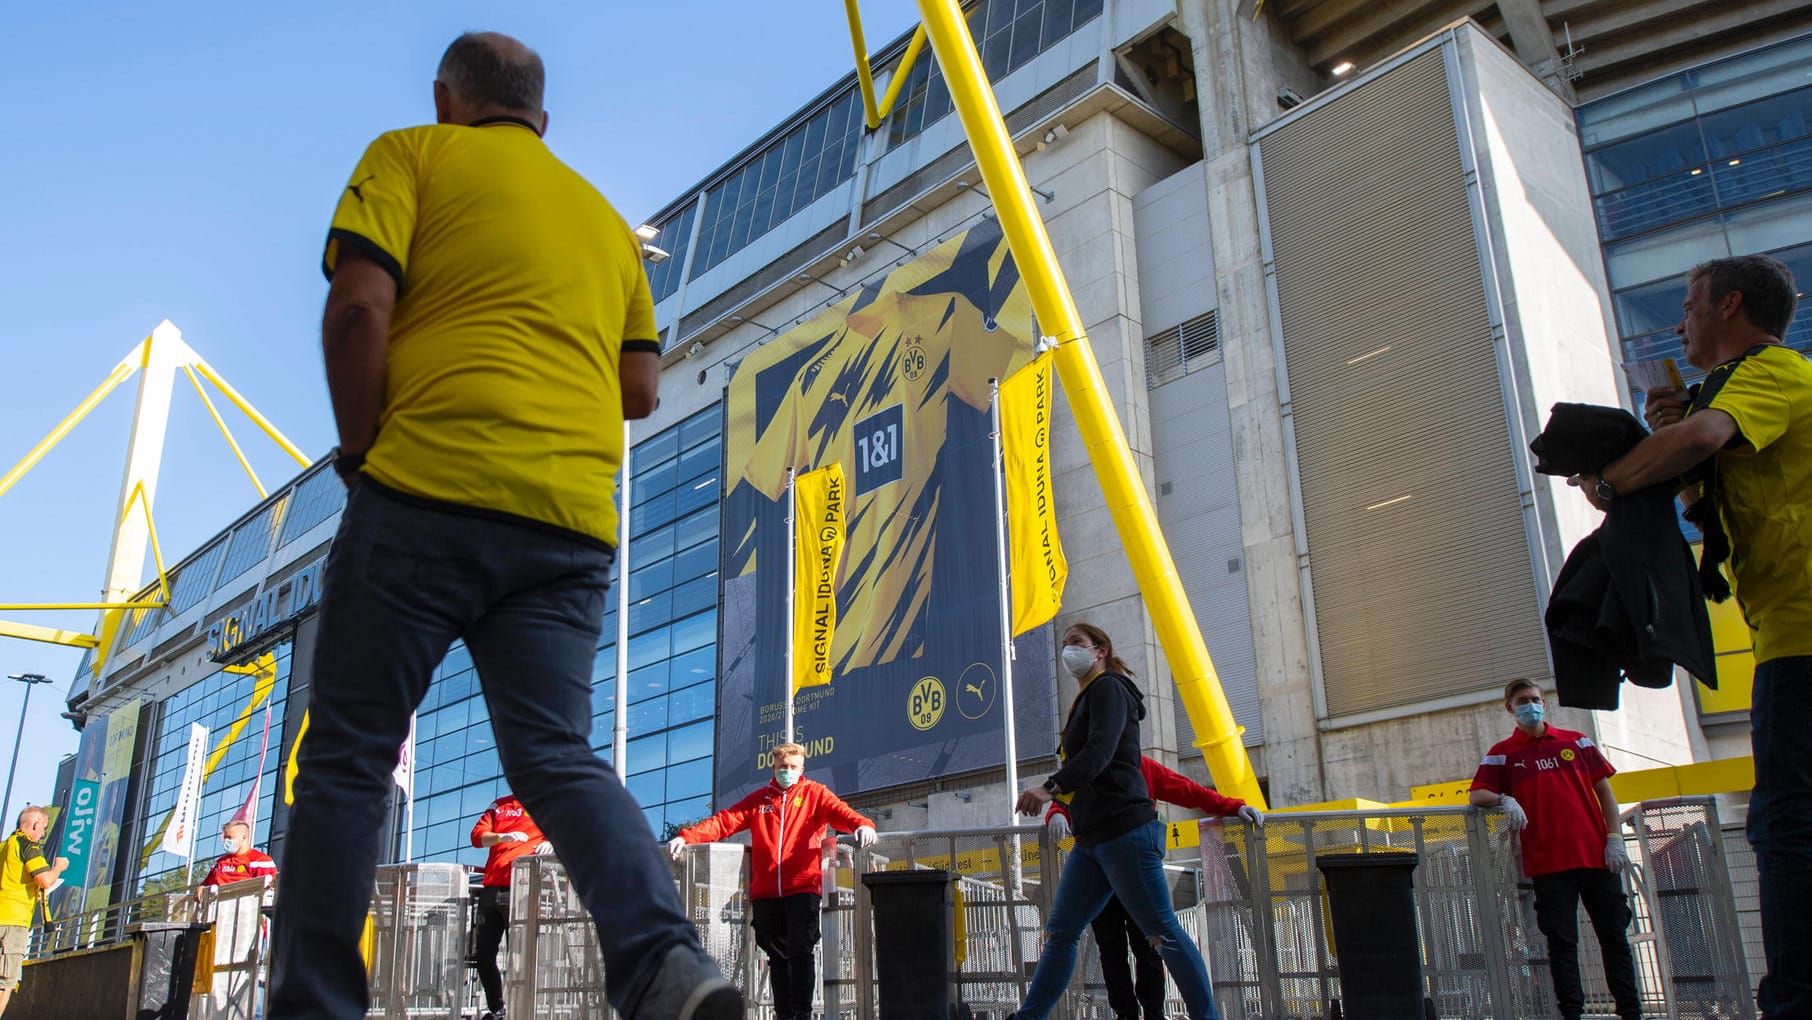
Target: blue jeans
pixel 1780 830
pixel 403 581
pixel 1130 866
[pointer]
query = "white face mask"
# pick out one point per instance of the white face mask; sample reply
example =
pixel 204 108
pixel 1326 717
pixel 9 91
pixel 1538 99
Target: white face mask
pixel 1078 660
pixel 231 846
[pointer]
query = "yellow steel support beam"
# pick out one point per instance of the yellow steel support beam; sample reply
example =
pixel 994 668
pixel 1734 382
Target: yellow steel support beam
pixel 872 112
pixel 48 635
pixel 121 372
pixel 225 432
pixel 910 58
pixel 1198 686
pixel 245 406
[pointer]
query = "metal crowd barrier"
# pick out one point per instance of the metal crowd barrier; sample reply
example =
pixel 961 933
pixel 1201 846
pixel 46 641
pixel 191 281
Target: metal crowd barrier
pixel 1252 898
pixel 416 947
pixel 1271 954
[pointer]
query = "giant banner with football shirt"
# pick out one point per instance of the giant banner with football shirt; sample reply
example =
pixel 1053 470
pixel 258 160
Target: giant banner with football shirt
pixel 892 383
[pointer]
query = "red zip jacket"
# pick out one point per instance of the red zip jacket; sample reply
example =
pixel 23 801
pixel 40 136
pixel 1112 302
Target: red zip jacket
pixel 232 868
pixel 786 827
pixel 1172 788
pixel 506 815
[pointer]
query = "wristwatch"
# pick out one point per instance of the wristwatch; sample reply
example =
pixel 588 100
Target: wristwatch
pixel 346 464
pixel 1051 787
pixel 1605 490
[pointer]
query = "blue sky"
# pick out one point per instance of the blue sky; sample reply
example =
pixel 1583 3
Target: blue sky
pixel 181 161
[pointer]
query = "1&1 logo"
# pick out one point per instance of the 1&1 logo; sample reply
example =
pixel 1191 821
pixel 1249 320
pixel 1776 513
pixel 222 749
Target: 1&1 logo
pixel 925 704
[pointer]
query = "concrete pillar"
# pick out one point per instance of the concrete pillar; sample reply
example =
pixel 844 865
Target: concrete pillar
pixel 1534 43
pixel 1240 65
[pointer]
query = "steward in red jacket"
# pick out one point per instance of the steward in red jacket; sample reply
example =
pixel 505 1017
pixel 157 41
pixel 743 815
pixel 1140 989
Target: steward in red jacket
pixel 508 832
pixel 240 862
pixel 786 821
pixel 1115 932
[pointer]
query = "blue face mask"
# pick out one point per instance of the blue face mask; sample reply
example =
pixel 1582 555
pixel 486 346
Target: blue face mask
pixel 786 777
pixel 1529 714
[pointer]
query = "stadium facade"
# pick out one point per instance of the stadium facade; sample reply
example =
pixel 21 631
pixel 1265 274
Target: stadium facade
pixel 1335 260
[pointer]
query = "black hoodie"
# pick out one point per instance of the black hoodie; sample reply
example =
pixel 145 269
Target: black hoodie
pixel 1101 761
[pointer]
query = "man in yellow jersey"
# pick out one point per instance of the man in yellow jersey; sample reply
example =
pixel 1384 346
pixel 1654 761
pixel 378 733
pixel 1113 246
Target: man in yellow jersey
pixel 25 876
pixel 1750 424
pixel 488 328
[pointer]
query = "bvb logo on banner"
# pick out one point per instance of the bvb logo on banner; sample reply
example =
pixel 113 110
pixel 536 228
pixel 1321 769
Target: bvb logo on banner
pixel 818 515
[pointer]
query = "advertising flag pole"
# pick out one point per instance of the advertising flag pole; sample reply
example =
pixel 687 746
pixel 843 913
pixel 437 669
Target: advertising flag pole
pixel 792 541
pixel 619 733
pixel 1006 602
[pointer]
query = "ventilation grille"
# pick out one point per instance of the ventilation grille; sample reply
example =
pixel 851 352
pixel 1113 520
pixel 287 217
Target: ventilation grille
pixel 1418 551
pixel 1180 350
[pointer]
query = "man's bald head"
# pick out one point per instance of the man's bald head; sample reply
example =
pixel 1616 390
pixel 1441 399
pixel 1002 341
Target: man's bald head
pixel 486 74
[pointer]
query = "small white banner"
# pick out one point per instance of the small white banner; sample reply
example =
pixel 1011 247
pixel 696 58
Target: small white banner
pixel 179 835
pixel 404 773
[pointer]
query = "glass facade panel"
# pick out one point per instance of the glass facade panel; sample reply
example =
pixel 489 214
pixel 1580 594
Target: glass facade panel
pixel 672 659
pixel 1008 34
pixel 194 581
pixel 815 157
pixel 251 541
pixel 674 238
pixel 315 499
pixel 230 706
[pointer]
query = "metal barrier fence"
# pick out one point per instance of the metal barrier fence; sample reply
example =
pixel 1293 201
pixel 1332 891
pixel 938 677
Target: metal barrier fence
pixel 1252 898
pixel 418 943
pixel 1272 955
pixel 237 960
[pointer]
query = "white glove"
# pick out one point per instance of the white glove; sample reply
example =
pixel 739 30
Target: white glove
pixel 1514 812
pixel 1058 825
pixel 512 837
pixel 865 836
pixel 543 847
pixel 676 846
pixel 1616 858
pixel 1251 815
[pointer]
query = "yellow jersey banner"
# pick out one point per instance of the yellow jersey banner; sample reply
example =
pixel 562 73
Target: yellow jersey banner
pixel 1035 553
pixel 898 679
pixel 818 550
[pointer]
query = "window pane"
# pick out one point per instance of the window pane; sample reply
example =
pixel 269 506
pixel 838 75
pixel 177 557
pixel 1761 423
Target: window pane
pixel 695 631
pixel 648 716
pixel 689 742
pixel 648 682
pixel 647 754
pixel 692 667
pixel 695 702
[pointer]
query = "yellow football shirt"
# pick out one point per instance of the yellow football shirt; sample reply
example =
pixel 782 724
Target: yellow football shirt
pixel 1767 497
pixel 21 860
pixel 518 288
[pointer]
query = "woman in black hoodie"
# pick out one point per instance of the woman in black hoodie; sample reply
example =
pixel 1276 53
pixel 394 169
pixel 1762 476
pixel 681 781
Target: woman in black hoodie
pixel 1119 840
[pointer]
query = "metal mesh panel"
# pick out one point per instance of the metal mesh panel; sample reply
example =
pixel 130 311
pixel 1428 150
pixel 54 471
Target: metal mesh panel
pixel 1687 895
pixel 714 879
pixel 1268 931
pixel 418 941
pixel 555 971
pixel 1004 896
pixel 237 913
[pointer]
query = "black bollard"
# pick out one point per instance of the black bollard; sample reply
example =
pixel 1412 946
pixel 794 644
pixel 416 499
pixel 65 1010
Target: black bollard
pixel 1372 900
pixel 915 943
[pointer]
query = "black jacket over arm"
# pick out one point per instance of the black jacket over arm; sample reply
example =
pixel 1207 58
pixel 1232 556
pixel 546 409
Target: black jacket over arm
pixel 1628 600
pixel 1101 761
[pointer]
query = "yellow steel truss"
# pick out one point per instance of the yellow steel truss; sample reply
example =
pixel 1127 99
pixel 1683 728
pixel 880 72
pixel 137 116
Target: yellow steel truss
pixel 1198 685
pixel 156 360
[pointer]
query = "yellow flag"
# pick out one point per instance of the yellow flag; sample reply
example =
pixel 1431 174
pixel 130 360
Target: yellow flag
pixel 818 548
pixel 1039 569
